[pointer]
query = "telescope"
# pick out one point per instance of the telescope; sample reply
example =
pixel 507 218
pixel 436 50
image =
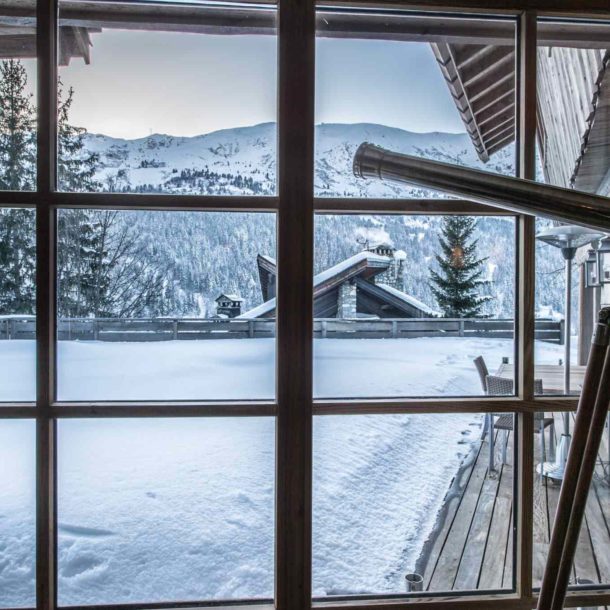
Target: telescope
pixel 504 192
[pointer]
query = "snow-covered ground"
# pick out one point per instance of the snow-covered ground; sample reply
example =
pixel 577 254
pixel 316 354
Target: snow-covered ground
pixel 234 370
pixel 155 510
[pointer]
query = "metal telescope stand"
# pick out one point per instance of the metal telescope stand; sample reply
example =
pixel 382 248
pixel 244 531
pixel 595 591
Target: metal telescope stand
pixel 588 432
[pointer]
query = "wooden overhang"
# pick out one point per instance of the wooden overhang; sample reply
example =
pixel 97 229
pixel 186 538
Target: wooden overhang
pixel 476 56
pixel 573 99
pixel 18 34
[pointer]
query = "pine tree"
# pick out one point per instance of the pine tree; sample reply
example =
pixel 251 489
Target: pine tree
pixel 76 167
pixel 83 257
pixel 17 172
pixel 17 134
pixel 17 261
pixel 456 285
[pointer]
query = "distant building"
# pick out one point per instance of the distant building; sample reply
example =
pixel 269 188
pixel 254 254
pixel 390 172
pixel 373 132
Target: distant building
pixel 368 284
pixel 228 305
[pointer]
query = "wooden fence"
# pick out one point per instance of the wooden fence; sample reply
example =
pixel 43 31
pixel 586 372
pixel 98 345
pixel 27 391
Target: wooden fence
pixel 168 329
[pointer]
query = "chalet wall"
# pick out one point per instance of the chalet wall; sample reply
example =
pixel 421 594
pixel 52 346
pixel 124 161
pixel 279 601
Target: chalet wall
pixel 568 90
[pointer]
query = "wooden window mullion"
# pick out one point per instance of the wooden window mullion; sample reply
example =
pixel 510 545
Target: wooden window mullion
pixel 526 155
pixel 296 78
pixel 46 469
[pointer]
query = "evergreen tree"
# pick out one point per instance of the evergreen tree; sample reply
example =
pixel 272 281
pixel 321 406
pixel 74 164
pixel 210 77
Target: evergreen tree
pixel 456 286
pixel 17 172
pixel 17 261
pixel 76 167
pixel 17 134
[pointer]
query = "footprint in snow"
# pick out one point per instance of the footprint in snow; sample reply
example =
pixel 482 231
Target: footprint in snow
pixel 86 532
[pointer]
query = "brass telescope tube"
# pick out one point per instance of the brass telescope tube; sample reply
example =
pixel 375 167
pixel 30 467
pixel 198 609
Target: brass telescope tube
pixel 505 192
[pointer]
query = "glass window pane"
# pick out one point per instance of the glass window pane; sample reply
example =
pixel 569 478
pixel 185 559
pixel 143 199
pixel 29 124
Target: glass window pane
pixel 592 560
pixel 404 305
pixel 563 293
pixel 168 98
pixel 163 305
pixel 399 495
pixel 17 304
pixel 18 113
pixel 165 510
pixel 17 514
pixel 425 85
pixel 573 105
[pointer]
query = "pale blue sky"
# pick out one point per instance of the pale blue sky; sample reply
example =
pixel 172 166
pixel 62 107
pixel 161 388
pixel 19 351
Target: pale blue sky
pixel 187 84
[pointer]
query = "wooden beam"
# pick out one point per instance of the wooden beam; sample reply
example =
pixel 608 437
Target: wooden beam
pixel 501 61
pixel 413 206
pixel 146 201
pixel 296 81
pixel 46 451
pixel 497 115
pixel 526 282
pixel 70 410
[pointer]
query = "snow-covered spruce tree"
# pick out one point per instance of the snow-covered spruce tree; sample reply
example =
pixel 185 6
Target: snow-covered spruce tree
pixel 102 267
pixel 17 135
pixel 80 246
pixel 17 172
pixel 17 261
pixel 456 285
pixel 76 167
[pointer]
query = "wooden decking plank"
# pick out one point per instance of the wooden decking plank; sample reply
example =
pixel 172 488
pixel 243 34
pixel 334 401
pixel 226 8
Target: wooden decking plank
pixel 507 575
pixel 448 562
pixel 541 523
pixel 433 549
pixel 500 539
pixel 598 532
pixel 469 569
pixel 597 514
pixel 585 567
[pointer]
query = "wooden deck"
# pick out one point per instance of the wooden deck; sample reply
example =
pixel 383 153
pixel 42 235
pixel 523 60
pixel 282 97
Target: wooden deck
pixel 472 545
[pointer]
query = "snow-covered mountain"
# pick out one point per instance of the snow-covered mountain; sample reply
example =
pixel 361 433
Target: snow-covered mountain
pixel 204 254
pixel 243 160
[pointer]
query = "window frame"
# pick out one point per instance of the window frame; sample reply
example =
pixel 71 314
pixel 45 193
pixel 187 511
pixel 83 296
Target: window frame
pixel 294 406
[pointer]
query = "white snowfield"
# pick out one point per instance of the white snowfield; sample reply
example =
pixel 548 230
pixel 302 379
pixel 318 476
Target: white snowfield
pixel 182 509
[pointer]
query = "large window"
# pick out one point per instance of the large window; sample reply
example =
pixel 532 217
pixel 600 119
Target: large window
pixel 242 365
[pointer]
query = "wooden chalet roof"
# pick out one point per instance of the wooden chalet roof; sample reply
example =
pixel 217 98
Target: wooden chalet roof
pixel 364 264
pixel 359 268
pixel 573 99
pixel 481 79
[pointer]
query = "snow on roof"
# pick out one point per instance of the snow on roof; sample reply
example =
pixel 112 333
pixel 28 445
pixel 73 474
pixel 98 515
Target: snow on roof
pixel 259 310
pixel 371 257
pixel 407 298
pixel 230 297
pixel 269 259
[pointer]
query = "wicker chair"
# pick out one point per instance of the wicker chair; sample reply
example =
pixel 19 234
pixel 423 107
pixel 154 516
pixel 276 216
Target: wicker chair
pixel 501 386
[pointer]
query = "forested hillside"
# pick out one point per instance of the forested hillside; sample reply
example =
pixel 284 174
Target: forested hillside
pixel 175 264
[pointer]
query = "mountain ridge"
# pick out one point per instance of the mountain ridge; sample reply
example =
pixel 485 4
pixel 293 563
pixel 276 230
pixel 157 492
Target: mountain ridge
pixel 205 254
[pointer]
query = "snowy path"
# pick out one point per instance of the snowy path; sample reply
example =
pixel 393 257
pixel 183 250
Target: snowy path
pixel 159 510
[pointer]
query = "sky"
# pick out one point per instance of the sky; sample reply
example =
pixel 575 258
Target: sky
pixel 139 83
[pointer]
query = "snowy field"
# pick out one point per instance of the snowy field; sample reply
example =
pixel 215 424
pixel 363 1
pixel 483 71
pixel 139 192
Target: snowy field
pixel 233 369
pixel 161 510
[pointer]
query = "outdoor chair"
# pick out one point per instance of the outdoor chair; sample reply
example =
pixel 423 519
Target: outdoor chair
pixel 494 385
